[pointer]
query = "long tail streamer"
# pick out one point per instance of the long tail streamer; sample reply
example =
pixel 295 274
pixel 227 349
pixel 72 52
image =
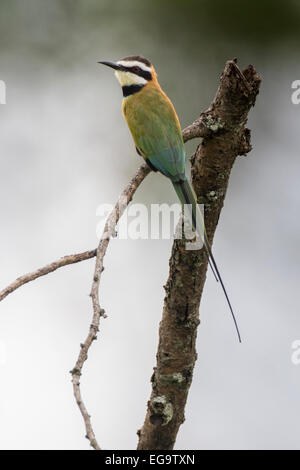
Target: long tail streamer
pixel 187 197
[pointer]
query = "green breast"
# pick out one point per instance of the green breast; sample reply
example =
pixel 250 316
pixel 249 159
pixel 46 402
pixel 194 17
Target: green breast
pixel 156 131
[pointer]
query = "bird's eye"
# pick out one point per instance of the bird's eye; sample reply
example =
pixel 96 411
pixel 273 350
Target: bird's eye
pixel 135 69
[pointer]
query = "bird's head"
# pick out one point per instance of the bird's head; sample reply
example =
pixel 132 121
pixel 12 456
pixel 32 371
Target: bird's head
pixel 134 71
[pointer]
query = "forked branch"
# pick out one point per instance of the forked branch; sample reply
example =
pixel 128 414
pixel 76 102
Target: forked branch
pixel 225 138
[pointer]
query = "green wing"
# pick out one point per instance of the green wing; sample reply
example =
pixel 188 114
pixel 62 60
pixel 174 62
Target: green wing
pixel 156 131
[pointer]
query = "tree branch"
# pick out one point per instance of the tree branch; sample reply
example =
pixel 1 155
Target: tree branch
pixel 49 268
pixel 98 312
pixel 225 137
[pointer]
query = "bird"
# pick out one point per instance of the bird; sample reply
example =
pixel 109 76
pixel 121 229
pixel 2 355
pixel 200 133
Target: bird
pixel 157 135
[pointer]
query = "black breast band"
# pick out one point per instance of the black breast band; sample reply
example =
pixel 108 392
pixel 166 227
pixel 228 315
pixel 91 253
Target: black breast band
pixel 131 89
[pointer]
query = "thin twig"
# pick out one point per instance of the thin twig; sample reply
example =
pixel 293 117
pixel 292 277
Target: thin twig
pixel 98 312
pixel 49 268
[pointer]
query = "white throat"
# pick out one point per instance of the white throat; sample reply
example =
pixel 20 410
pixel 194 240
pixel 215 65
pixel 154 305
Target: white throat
pixel 129 78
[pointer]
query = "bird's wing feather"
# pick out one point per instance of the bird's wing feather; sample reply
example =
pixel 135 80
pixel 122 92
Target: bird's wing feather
pixel 168 160
pixel 156 131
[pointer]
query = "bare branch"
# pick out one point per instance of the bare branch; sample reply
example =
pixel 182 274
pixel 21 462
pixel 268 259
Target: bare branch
pixel 109 230
pixel 110 227
pixel 142 172
pixel 49 268
pixel 224 134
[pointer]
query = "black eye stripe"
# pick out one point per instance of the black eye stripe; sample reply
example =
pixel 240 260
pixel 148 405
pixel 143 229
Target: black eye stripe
pixel 138 71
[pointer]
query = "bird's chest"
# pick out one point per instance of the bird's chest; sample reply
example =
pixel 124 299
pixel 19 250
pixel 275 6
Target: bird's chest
pixel 137 109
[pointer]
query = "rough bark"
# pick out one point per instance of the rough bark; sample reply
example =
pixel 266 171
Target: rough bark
pixel 224 138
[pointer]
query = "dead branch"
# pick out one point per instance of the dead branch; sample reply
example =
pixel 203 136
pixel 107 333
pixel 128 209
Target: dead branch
pixel 224 138
pixel 98 312
pixel 49 268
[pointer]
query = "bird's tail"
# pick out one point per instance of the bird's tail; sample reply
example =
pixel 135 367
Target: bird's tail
pixel 187 197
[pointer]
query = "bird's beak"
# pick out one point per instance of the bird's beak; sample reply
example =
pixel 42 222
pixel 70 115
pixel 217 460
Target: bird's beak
pixel 113 65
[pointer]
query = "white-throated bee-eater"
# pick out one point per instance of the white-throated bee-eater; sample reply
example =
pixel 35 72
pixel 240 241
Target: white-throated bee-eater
pixel 157 135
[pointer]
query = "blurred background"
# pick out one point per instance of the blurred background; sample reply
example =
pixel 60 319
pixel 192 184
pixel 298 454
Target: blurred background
pixel 65 149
